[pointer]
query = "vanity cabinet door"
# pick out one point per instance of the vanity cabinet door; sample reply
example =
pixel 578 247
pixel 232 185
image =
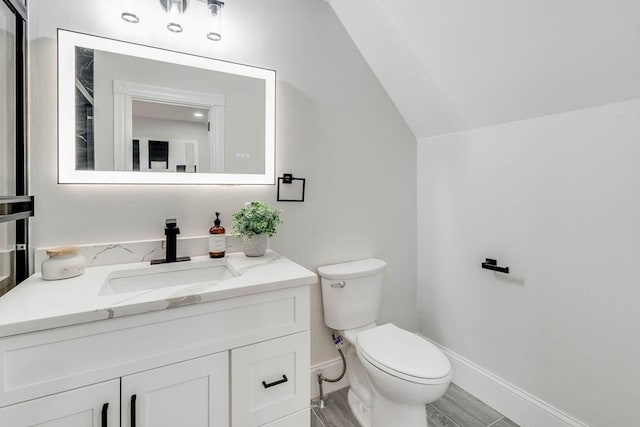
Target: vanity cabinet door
pixel 93 406
pixel 194 393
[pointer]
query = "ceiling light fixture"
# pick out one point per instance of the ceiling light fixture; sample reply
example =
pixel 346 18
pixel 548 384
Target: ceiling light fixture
pixel 175 9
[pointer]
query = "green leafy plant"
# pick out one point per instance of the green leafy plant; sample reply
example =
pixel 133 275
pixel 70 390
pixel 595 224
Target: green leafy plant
pixel 256 218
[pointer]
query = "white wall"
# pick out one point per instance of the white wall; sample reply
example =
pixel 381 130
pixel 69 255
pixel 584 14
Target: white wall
pixel 557 199
pixel 336 127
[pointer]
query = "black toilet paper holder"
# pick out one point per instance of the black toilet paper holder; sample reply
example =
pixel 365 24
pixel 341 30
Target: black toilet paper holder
pixel 492 264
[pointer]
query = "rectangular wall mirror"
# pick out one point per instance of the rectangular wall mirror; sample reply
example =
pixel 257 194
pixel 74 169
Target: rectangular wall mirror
pixel 134 114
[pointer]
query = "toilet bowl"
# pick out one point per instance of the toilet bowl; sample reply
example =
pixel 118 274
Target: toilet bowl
pixel 392 372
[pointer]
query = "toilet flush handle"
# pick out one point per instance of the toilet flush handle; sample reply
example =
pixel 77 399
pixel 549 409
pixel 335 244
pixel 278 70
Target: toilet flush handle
pixel 340 284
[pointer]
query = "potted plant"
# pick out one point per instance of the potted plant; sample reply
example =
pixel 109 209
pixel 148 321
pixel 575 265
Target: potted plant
pixel 256 222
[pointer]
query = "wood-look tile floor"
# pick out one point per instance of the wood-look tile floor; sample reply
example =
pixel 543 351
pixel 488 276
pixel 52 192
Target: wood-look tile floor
pixel 456 408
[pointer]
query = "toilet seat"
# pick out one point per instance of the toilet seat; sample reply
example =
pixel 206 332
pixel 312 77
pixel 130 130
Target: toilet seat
pixel 403 354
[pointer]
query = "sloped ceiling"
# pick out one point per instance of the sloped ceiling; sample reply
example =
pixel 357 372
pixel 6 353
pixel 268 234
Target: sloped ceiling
pixel 452 65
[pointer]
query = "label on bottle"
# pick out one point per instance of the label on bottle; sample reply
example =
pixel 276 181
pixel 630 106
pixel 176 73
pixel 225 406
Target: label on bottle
pixel 217 242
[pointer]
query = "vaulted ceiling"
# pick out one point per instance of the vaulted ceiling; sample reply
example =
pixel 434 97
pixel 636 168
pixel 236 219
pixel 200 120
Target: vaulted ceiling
pixel 452 65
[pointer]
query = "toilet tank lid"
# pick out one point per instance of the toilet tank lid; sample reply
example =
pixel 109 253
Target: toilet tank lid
pixel 353 269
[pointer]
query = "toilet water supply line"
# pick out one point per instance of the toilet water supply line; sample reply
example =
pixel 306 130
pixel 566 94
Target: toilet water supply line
pixel 339 343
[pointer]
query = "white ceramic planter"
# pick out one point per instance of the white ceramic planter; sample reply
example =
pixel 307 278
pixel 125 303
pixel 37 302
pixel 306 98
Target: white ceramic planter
pixel 255 245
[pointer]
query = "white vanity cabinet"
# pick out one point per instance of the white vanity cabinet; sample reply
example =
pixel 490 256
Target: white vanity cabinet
pixel 92 406
pixel 214 364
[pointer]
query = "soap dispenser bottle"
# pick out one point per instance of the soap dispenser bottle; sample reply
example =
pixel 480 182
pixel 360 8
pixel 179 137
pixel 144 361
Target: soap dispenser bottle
pixel 217 240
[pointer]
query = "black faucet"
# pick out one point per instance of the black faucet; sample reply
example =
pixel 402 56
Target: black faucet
pixel 171 230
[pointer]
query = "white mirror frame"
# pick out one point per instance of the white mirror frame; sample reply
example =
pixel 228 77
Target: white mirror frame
pixel 67 173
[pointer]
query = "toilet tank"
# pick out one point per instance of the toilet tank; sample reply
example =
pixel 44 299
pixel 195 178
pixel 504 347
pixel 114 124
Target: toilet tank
pixel 351 292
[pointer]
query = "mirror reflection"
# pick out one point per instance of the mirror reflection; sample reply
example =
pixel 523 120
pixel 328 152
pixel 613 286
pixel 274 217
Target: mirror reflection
pixel 135 114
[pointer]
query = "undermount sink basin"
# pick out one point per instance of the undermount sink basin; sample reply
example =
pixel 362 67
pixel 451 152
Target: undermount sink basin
pixel 166 275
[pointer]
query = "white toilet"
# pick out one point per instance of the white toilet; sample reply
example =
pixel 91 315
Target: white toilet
pixel 393 373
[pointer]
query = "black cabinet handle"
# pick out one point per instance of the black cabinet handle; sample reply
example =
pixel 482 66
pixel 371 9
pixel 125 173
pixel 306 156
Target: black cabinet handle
pixel 105 408
pixel 133 410
pixel 492 264
pixel 283 380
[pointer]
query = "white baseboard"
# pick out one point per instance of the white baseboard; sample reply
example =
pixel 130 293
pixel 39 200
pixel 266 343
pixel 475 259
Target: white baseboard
pixel 331 369
pixel 514 403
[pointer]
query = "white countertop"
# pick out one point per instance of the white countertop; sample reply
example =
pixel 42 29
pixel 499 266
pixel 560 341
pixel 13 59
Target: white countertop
pixel 38 304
